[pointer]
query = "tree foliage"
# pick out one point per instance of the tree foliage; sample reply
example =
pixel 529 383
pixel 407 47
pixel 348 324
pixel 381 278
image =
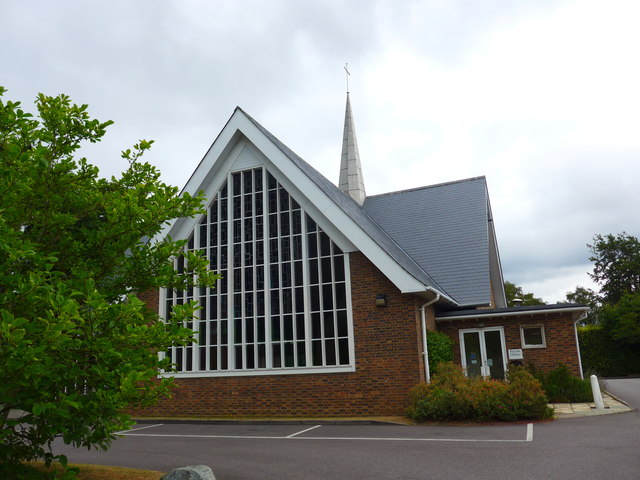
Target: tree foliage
pixel 622 320
pixel 591 299
pixel 77 346
pixel 514 291
pixel 617 270
pixel 616 265
pixel 440 348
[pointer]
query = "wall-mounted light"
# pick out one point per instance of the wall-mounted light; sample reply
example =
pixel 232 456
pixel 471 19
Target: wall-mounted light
pixel 381 300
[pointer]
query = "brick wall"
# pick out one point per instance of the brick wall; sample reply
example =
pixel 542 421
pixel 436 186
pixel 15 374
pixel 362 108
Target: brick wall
pixel 559 334
pixel 151 298
pixel 388 364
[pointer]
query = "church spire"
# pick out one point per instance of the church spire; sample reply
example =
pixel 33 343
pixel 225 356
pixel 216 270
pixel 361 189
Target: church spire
pixel 351 180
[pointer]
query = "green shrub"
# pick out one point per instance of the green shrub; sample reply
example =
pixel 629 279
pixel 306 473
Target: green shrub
pixel 453 396
pixel 528 395
pixel 561 386
pixel 440 349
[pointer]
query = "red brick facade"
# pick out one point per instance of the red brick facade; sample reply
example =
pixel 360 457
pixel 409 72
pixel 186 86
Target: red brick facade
pixel 388 364
pixel 558 329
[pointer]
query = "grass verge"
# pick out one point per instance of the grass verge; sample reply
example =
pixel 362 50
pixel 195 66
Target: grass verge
pixel 105 472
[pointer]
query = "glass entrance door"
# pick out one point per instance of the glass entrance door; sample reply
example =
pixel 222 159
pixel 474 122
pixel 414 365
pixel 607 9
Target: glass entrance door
pixel 482 352
pixel 472 356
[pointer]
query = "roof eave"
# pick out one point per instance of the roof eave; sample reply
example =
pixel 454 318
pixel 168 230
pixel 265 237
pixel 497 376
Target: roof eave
pixel 491 313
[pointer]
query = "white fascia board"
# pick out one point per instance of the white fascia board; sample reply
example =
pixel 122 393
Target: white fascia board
pixel 490 314
pixel 495 265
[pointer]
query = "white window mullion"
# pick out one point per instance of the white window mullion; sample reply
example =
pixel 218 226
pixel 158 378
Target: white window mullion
pixel 336 335
pixel 218 298
pixel 306 289
pixel 267 268
pixel 347 286
pixel 229 279
pixel 243 335
pixel 280 279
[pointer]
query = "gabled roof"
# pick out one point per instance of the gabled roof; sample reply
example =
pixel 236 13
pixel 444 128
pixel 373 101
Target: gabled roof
pixel 439 244
pixel 444 229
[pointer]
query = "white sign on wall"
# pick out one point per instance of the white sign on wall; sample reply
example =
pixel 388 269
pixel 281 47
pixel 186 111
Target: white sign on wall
pixel 515 354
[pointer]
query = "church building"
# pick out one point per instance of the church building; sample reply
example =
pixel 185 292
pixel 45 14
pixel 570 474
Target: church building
pixel 326 294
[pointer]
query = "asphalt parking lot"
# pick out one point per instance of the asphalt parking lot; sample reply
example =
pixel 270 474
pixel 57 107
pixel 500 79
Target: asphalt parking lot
pixel 577 448
pixel 594 447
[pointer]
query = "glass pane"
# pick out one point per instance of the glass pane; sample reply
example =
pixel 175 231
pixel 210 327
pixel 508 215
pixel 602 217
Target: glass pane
pixel 472 354
pixel 343 350
pixel 277 363
pixel 495 360
pixel 302 352
pixel 316 351
pixel 330 351
pixel 311 225
pixel 532 335
pixel 289 360
pixel 328 325
pixel 203 358
pixel 258 179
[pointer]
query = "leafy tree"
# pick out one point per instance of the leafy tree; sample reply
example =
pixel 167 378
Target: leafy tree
pixel 77 346
pixel 587 297
pixel 513 291
pixel 622 320
pixel 616 265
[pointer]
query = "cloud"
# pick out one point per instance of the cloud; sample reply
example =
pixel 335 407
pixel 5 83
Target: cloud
pixel 540 97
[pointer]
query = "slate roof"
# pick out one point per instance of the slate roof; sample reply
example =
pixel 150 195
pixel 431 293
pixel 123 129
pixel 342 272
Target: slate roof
pixel 444 229
pixel 440 237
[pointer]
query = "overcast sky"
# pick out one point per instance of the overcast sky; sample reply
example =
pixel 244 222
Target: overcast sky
pixel 541 97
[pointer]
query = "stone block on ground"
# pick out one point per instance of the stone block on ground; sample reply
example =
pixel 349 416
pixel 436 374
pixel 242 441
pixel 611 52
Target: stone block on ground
pixel 192 472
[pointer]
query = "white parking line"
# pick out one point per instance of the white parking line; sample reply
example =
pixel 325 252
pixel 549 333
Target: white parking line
pixel 303 431
pixel 295 436
pixel 125 432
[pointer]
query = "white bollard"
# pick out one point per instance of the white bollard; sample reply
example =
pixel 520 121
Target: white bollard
pixel 597 396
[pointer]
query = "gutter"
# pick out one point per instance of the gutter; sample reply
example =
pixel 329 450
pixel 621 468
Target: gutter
pixel 478 313
pixel 425 348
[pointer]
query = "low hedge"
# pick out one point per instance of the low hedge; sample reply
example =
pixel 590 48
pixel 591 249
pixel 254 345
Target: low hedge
pixel 453 396
pixel 604 356
pixel 561 386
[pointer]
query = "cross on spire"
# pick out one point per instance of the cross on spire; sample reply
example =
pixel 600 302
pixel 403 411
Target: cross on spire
pixel 346 69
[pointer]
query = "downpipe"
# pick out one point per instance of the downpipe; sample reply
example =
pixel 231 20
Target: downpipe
pixel 425 347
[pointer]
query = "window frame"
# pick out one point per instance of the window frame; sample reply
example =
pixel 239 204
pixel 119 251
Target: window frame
pixel 523 342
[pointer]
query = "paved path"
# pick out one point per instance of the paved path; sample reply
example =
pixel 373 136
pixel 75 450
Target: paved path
pixel 611 405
